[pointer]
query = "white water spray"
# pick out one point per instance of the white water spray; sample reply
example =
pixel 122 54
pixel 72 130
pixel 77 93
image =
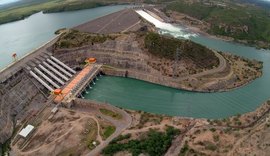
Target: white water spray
pixel 166 28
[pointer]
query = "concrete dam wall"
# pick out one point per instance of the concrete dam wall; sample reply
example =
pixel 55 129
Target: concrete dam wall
pixel 26 85
pixel 20 96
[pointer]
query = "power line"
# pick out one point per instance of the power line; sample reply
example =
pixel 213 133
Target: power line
pixel 177 55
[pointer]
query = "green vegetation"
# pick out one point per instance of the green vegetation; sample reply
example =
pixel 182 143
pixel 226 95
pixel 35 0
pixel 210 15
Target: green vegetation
pixel 5 147
pixel 210 146
pixel 28 8
pixel 184 149
pixel 106 131
pixel 111 113
pixel 216 138
pixel 200 55
pixel 90 134
pixel 77 5
pixel 242 22
pixel 154 143
pixel 120 138
pixel 74 38
pixel 21 12
pixel 148 117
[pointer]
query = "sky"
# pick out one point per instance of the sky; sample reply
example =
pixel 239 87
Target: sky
pixel 2 2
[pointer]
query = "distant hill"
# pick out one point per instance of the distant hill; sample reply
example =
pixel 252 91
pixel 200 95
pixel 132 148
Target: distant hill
pixel 262 3
pixel 20 4
pixel 246 23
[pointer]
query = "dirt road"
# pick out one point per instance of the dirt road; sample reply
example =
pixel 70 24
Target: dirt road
pixel 222 65
pixel 121 125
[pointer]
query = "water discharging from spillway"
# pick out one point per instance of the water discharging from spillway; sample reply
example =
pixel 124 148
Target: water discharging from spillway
pixel 166 28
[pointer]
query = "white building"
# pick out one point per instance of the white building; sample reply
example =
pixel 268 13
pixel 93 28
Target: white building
pixel 26 131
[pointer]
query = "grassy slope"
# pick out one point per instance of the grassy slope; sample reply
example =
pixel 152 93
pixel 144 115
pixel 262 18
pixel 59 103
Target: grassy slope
pixel 231 19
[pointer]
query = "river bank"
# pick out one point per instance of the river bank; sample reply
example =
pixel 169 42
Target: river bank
pixel 217 86
pixel 202 28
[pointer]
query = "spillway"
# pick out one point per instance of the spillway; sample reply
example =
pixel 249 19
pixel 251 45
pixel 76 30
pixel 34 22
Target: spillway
pixel 176 31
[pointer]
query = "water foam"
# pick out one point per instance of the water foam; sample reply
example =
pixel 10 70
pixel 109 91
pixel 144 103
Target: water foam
pixel 166 28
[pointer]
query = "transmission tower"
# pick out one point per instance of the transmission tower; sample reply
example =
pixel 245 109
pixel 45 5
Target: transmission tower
pixel 177 57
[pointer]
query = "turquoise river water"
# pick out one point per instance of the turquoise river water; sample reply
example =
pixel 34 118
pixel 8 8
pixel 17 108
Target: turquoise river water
pixel 26 35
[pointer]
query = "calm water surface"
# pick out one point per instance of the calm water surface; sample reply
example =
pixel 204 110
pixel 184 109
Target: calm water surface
pixel 23 36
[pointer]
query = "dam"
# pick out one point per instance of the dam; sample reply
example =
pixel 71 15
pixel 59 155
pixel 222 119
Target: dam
pixel 23 93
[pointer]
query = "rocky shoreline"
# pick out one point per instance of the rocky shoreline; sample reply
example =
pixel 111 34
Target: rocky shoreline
pixel 162 81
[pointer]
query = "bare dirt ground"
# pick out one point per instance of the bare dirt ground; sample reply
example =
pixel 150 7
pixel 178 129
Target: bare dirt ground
pixel 229 138
pixel 72 132
pixel 65 132
pixel 256 142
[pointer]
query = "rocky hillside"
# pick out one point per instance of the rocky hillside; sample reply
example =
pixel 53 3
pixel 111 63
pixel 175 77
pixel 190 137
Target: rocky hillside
pixel 166 47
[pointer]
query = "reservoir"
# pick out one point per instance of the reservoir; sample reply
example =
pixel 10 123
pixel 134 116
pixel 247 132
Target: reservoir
pixel 26 35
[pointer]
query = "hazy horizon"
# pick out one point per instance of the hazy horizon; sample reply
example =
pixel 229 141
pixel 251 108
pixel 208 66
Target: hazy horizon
pixel 3 2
